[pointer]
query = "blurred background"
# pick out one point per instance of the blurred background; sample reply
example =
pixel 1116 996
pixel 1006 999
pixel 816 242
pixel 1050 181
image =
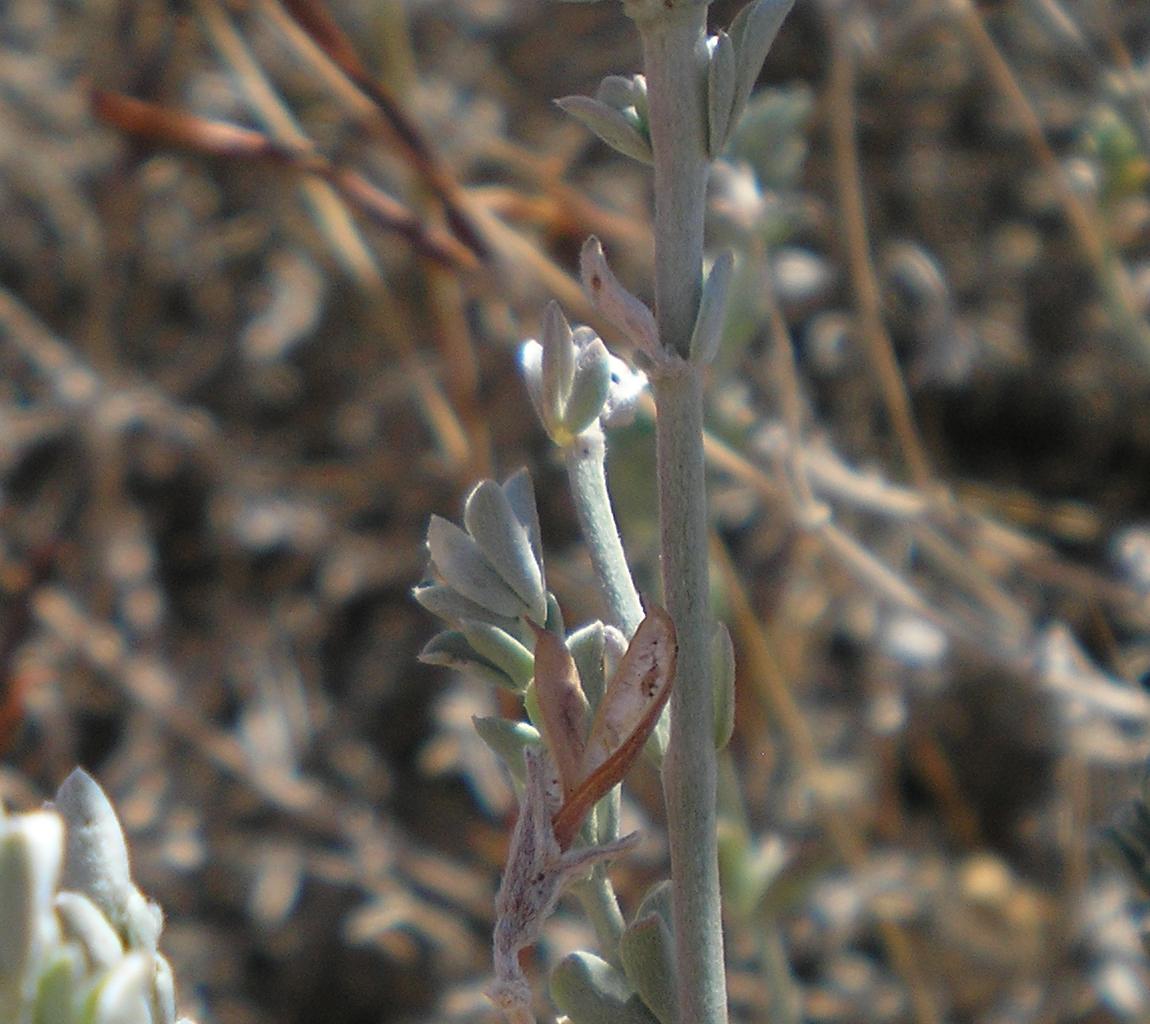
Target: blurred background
pixel 240 369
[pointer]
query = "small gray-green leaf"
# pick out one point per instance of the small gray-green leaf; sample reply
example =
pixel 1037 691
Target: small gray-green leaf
pixel 505 543
pixel 586 646
pixel 30 851
pixel 83 922
pixel 521 494
pixel 657 900
pixel 723 674
pixel 450 649
pixel 554 621
pixel 58 990
pixel 507 740
pixel 531 369
pixel 122 998
pixel 558 363
pixel 143 922
pixel 611 125
pixel 628 95
pixel 708 331
pixel 591 991
pixel 503 651
pixel 95 851
pixel 453 607
pixel 617 91
pixel 648 956
pixel 720 93
pixel 461 564
pixel 639 92
pixel 591 387
pixel 752 33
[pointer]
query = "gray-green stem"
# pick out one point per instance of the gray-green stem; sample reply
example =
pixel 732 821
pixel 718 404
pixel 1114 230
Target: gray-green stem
pixel 586 459
pixel 673 34
pixel 601 905
pixel 689 768
pixel 587 473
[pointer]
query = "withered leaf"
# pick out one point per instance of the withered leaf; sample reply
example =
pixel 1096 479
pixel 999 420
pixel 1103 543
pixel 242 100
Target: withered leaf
pixel 562 707
pixel 625 718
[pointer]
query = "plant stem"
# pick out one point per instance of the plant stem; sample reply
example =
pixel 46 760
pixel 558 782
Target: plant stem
pixel 689 768
pixel 673 34
pixel 600 904
pixel 674 63
pixel 586 459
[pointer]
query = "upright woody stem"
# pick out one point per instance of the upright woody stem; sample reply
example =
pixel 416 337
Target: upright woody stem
pixel 673 34
pixel 689 768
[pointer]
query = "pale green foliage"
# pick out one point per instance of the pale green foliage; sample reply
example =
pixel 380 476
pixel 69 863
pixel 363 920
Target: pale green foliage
pixel 78 940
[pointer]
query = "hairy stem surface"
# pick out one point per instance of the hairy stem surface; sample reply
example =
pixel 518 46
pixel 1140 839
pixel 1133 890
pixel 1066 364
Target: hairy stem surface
pixel 587 473
pixel 674 53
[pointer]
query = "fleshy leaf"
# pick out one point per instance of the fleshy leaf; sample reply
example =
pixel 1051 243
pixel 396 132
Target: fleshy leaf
pixel 723 674
pixel 83 922
pixel 30 852
pixel 720 93
pixel 558 364
pixel 531 368
pixel 554 621
pixel 647 952
pixel 58 989
pixel 639 95
pixel 628 95
pixel 591 991
pixel 521 496
pixel 123 996
pixel 463 567
pixel 507 740
pixel 587 647
pixel 95 852
pixel 454 608
pixel 451 649
pixel 657 900
pixel 492 522
pixel 611 125
pixel 617 91
pixel 503 651
pixel 590 389
pixel 708 331
pixel 752 33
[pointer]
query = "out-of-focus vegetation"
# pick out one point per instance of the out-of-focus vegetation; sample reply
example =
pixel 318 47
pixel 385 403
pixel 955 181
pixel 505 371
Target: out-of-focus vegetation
pixel 240 369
